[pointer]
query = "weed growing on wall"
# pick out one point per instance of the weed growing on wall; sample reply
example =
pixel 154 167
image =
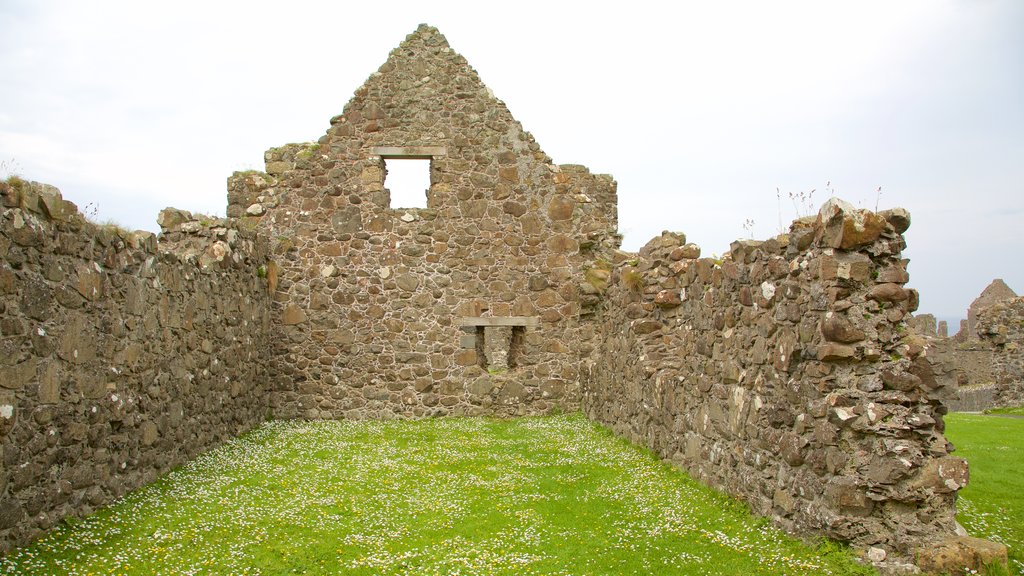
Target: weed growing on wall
pixel 803 204
pixel 9 169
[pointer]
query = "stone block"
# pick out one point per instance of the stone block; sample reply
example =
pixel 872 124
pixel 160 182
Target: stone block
pixel 846 497
pixel 561 208
pixel 171 218
pixel 552 389
pixel 942 475
pixel 292 314
pixel 148 433
pixel 668 298
pixel 49 384
pixel 482 386
pixel 844 266
pixel 646 326
pixel 347 220
pixel 17 376
pixel 958 555
pixel 408 282
pixel 466 357
pixel 277 168
pixel 888 292
pixel 837 328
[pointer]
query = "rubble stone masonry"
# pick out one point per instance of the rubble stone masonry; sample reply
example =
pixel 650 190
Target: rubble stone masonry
pixel 1002 327
pixel 120 357
pixel 468 306
pixel 780 374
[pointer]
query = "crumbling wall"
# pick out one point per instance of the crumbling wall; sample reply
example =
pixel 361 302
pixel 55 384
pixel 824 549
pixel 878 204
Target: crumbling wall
pixel 967 363
pixel 120 357
pixel 1002 327
pixel 384 310
pixel 781 375
pixel 923 324
pixel 997 291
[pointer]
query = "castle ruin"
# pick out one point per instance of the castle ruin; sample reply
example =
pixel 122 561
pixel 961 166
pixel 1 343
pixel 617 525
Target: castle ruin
pixel 986 357
pixel 779 373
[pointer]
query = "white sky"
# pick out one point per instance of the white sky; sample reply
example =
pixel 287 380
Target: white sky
pixel 699 109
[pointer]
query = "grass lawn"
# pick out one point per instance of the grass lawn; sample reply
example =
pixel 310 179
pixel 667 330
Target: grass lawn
pixel 992 504
pixel 1014 411
pixel 556 495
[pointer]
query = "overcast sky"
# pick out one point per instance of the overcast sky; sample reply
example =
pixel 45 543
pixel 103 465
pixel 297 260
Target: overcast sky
pixel 699 109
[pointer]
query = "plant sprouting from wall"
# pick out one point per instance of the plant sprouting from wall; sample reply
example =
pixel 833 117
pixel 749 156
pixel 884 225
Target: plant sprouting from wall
pixel 9 169
pixel 633 279
pixel 748 225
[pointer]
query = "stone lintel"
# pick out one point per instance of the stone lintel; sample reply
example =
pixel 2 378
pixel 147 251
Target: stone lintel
pixel 499 321
pixel 421 152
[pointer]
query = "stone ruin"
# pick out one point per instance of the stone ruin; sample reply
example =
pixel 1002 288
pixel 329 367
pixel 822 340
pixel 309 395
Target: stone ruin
pixel 993 294
pixel 781 373
pixel 984 358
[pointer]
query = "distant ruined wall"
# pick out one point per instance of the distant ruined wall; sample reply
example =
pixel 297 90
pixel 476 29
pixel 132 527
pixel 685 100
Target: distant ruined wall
pixel 987 365
pixel 119 357
pixel 968 364
pixel 781 375
pixel 1002 327
pixel 471 305
pixel 923 324
pixel 997 291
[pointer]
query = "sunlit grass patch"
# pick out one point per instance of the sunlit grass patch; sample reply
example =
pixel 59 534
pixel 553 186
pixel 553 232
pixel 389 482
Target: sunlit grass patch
pixel 556 495
pixel 992 504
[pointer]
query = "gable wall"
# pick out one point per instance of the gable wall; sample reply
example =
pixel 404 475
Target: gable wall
pixel 370 298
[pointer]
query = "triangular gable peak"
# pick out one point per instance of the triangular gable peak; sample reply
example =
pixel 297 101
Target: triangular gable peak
pixel 994 292
pixel 426 93
pixel 426 101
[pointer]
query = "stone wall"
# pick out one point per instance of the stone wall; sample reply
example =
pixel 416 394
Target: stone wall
pixel 1002 326
pixel 967 364
pixel 120 357
pixel 997 291
pixel 923 324
pixel 974 399
pixel 783 375
pixel 987 365
pixel 471 305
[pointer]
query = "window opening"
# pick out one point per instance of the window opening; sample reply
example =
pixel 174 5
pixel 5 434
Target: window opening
pixel 481 352
pixel 408 180
pixel 516 346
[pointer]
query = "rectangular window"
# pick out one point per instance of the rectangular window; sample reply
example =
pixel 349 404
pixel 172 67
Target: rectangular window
pixel 408 181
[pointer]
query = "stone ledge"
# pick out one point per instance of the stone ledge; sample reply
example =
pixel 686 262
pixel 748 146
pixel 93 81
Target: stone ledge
pixel 423 152
pixel 499 321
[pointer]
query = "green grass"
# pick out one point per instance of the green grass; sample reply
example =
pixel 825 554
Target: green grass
pixel 553 495
pixel 992 504
pixel 1014 410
